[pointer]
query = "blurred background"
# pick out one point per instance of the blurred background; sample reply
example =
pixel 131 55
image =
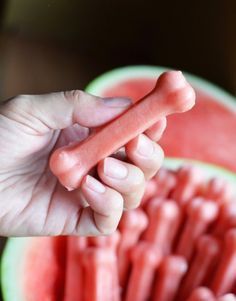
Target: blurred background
pixel 51 45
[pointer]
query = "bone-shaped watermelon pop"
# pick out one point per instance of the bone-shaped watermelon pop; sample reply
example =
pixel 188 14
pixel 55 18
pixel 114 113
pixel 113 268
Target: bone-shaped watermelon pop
pixel 172 94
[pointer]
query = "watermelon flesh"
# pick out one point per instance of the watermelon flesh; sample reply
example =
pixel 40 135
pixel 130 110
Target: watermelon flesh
pixel 47 265
pixel 46 258
pixel 206 133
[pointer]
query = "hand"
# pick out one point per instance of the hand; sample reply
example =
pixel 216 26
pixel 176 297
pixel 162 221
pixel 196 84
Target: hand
pixel 32 201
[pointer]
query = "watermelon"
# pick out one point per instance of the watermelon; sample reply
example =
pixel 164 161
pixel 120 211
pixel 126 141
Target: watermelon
pixel 33 268
pixel 206 133
pixel 40 268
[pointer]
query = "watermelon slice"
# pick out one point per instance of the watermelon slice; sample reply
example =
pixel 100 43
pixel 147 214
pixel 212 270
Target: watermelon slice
pixel 206 133
pixel 39 269
pixel 33 269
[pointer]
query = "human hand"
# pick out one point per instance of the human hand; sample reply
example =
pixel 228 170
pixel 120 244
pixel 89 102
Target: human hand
pixel 32 201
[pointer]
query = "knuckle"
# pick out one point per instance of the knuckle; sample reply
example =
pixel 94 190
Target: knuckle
pixel 72 95
pixel 20 107
pixel 20 101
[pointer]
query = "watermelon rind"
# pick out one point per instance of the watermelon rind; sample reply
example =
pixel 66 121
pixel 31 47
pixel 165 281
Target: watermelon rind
pixel 209 170
pixel 115 76
pixel 14 255
pixel 12 268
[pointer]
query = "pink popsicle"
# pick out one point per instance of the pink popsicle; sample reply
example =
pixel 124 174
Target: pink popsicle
pixel 189 179
pixel 226 219
pixel 163 224
pixel 110 241
pixel 227 297
pixel 207 251
pixel 145 258
pixel 201 213
pixel 132 224
pixel 74 270
pixel 202 294
pixel 101 281
pixel 150 191
pixel 172 94
pixel 225 275
pixel 169 276
pixel 218 190
pixel 165 182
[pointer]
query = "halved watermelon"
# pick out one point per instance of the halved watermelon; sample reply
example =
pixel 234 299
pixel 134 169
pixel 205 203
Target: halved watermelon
pixel 33 269
pixel 206 133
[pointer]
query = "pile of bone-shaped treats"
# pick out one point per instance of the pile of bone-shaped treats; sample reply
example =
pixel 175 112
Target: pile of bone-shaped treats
pixel 179 245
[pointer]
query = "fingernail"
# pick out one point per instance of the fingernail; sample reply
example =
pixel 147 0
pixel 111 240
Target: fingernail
pixel 117 102
pixel 115 169
pixel 94 184
pixel 145 146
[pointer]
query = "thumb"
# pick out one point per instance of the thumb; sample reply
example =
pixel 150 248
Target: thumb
pixel 93 111
pixel 63 109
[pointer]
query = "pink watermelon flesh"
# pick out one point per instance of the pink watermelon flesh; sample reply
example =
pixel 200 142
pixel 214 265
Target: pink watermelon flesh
pixel 206 133
pixel 46 257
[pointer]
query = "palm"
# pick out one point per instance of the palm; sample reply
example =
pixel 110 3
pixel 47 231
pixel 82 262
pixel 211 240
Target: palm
pixel 34 194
